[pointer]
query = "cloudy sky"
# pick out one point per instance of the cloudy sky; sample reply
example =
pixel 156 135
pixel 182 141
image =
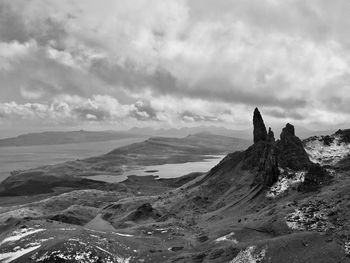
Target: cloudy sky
pixel 116 64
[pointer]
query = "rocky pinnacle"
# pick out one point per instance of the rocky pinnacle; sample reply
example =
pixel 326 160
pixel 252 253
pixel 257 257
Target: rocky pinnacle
pixel 260 133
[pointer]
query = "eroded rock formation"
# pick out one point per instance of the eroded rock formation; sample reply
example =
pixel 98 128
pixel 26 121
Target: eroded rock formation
pixel 262 155
pixel 266 155
pixel 270 136
pixel 259 132
pixel 291 152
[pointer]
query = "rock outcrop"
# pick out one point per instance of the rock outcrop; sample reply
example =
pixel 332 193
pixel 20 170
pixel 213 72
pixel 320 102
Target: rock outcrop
pixel 344 135
pixel 266 155
pixel 260 133
pixel 270 136
pixel 268 167
pixel 262 155
pixel 316 176
pixel 291 152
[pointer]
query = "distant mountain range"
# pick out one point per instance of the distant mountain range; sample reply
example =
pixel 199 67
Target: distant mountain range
pixel 54 138
pixel 246 134
pixel 82 136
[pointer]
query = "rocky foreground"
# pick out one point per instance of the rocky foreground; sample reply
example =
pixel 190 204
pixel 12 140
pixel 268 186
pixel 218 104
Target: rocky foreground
pixel 282 200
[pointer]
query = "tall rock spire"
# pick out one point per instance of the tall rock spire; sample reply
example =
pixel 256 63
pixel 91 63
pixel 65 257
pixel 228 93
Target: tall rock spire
pixel 259 132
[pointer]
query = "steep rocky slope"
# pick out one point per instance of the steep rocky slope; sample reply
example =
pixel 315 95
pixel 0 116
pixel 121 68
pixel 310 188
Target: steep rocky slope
pixel 269 203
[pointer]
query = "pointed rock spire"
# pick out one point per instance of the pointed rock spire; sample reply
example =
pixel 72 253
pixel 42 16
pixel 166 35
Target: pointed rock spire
pixel 270 136
pixel 260 133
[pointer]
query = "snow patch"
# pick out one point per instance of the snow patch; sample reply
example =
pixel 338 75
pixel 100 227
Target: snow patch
pixel 308 218
pixel 347 248
pixel 121 234
pixel 228 237
pixel 249 255
pixel 17 235
pixel 81 256
pixel 67 229
pixel 117 258
pixel 326 154
pixel 11 256
pixel 286 179
pixel 295 219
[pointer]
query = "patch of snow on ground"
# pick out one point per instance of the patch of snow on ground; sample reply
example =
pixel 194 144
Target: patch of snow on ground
pixel 11 256
pixel 324 154
pixel 286 179
pixel 121 234
pixel 249 255
pixel 347 248
pixel 228 237
pixel 17 235
pixel 81 256
pixel 294 220
pixel 119 259
pixel 307 218
pixel 67 229
pixel 104 250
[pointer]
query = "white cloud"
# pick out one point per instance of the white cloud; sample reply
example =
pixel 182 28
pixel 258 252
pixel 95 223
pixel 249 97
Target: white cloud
pixel 176 61
pixel 13 51
pixel 105 109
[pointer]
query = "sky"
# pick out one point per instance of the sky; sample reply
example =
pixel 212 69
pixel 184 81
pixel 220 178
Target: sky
pixel 113 64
